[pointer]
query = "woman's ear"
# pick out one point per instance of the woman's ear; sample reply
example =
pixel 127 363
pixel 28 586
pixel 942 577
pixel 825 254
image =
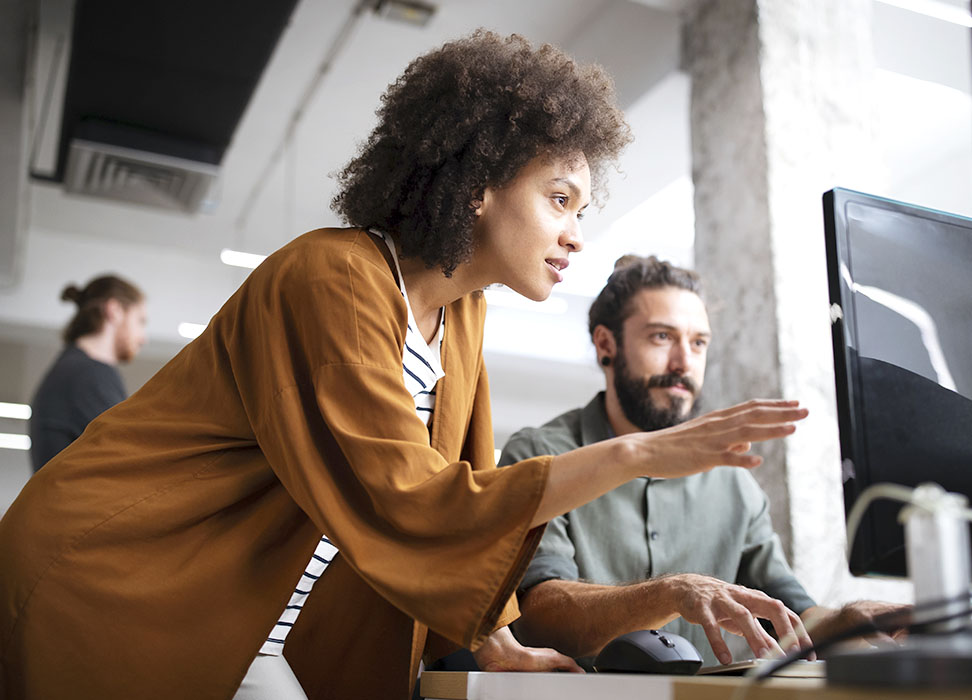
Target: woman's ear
pixel 480 201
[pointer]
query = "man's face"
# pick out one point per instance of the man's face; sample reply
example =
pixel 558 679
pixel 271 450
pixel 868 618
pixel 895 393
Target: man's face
pixel 131 332
pixel 660 363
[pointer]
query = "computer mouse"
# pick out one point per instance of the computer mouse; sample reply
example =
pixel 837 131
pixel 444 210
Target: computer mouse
pixel 649 651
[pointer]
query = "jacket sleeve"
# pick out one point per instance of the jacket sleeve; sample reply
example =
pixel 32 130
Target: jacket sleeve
pixel 316 349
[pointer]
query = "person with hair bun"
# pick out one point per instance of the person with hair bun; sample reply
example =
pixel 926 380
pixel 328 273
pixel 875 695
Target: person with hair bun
pixel 108 328
pixel 304 503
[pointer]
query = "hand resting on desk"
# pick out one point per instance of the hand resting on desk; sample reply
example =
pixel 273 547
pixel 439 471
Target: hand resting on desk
pixel 501 652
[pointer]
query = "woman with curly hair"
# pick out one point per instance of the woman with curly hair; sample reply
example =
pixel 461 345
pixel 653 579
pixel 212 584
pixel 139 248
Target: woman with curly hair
pixel 308 490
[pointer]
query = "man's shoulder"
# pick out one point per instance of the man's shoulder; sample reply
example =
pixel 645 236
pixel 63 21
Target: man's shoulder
pixel 74 367
pixel 554 437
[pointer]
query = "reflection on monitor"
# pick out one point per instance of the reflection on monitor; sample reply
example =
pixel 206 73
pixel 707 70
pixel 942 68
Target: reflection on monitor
pixel 901 293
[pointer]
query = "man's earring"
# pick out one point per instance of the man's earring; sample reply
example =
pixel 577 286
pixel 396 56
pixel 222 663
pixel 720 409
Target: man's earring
pixel 606 361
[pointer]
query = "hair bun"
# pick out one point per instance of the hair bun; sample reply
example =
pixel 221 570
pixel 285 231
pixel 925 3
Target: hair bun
pixel 631 259
pixel 71 293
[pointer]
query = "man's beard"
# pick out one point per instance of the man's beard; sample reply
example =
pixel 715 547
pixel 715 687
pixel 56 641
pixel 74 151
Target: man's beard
pixel 124 352
pixel 634 395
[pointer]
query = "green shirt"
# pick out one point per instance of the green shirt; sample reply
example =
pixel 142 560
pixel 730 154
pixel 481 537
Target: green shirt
pixel 716 523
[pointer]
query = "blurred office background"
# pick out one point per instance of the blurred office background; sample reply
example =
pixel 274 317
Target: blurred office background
pixel 744 112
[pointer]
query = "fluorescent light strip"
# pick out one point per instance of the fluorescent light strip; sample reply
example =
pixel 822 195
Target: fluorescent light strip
pixel 18 411
pixel 934 9
pixel 191 330
pixel 12 441
pixel 238 258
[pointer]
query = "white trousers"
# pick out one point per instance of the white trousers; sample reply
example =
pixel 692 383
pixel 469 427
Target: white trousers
pixel 270 678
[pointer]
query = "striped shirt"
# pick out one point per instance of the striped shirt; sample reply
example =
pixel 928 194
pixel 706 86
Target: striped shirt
pixel 421 371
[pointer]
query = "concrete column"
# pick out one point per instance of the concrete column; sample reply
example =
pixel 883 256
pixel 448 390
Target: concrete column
pixel 14 21
pixel 780 113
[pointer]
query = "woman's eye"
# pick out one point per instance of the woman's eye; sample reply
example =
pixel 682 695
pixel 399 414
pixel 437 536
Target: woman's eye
pixel 560 199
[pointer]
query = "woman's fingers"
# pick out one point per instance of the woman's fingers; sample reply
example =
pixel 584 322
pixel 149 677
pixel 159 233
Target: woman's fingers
pixel 754 404
pixel 548 660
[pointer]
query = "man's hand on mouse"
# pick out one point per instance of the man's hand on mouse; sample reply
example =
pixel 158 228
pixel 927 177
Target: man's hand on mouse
pixel 501 652
pixel 717 605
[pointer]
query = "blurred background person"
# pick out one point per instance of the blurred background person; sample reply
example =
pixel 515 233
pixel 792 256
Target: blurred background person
pixel 107 329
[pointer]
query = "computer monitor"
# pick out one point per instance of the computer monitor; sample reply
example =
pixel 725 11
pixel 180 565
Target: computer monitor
pixel 900 280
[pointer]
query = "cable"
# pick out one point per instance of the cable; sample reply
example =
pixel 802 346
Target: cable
pixel 894 492
pixel 886 623
pixel 310 91
pixel 929 497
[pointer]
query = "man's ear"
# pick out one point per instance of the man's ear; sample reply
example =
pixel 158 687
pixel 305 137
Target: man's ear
pixel 604 344
pixel 114 311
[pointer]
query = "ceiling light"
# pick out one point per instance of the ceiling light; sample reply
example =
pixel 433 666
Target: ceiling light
pixel 18 411
pixel 935 9
pixel 240 259
pixel 191 330
pixel 408 11
pixel 12 441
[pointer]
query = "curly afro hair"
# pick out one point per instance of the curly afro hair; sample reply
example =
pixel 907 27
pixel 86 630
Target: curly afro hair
pixel 465 117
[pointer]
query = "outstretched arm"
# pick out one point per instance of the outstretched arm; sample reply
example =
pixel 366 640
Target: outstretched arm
pixel 717 438
pixel 580 618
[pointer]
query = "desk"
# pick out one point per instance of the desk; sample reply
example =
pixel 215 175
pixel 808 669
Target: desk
pixel 454 685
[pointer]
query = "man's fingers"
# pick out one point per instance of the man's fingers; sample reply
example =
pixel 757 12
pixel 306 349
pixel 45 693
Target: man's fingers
pixel 759 641
pixel 790 630
pixel 713 633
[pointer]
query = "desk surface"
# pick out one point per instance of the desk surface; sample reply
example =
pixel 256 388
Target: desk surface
pixel 444 685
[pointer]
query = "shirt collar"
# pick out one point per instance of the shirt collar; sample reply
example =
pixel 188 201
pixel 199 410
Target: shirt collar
pixel 594 421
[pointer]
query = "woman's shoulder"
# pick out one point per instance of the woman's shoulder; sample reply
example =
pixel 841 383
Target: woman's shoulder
pixel 332 256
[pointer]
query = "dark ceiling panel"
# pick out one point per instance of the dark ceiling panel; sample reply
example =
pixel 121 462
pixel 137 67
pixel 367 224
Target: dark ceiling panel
pixel 181 71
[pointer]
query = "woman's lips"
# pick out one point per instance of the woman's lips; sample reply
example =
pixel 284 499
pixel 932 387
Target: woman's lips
pixel 556 265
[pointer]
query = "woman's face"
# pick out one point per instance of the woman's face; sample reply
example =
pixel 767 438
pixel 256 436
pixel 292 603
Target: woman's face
pixel 526 229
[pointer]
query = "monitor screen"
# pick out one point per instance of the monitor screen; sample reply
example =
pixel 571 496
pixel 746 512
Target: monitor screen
pixel 900 281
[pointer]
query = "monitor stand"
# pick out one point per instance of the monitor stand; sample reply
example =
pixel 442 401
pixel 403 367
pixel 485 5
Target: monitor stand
pixel 937 544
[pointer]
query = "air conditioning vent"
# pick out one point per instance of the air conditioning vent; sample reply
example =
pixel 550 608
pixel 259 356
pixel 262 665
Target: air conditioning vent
pixel 142 177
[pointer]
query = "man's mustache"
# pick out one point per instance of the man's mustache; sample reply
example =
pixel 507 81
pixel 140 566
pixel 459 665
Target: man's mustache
pixel 663 381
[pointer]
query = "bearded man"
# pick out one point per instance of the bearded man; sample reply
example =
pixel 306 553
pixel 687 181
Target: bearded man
pixel 695 556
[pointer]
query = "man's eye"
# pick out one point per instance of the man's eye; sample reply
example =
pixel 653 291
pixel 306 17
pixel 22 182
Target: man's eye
pixel 660 335
pixel 700 343
pixel 560 199
pixel 580 214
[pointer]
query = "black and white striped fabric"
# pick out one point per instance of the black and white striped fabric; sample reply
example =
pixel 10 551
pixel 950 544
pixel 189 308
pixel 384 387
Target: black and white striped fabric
pixel 421 371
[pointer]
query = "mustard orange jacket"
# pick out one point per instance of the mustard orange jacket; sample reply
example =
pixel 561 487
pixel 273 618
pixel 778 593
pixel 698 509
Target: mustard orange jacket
pixel 151 558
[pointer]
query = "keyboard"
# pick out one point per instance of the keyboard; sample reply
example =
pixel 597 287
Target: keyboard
pixel 798 669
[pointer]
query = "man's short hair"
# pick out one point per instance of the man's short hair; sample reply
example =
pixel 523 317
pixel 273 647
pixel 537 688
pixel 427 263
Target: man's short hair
pixel 633 273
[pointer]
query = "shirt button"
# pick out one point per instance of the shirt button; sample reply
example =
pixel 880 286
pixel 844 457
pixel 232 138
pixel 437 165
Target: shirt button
pixel 654 535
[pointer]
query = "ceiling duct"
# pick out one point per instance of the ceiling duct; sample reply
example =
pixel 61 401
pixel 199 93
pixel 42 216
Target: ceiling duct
pixel 129 165
pixel 154 92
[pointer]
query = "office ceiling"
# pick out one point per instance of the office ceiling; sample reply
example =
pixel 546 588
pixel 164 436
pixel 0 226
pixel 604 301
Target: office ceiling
pixel 177 74
pixel 281 93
